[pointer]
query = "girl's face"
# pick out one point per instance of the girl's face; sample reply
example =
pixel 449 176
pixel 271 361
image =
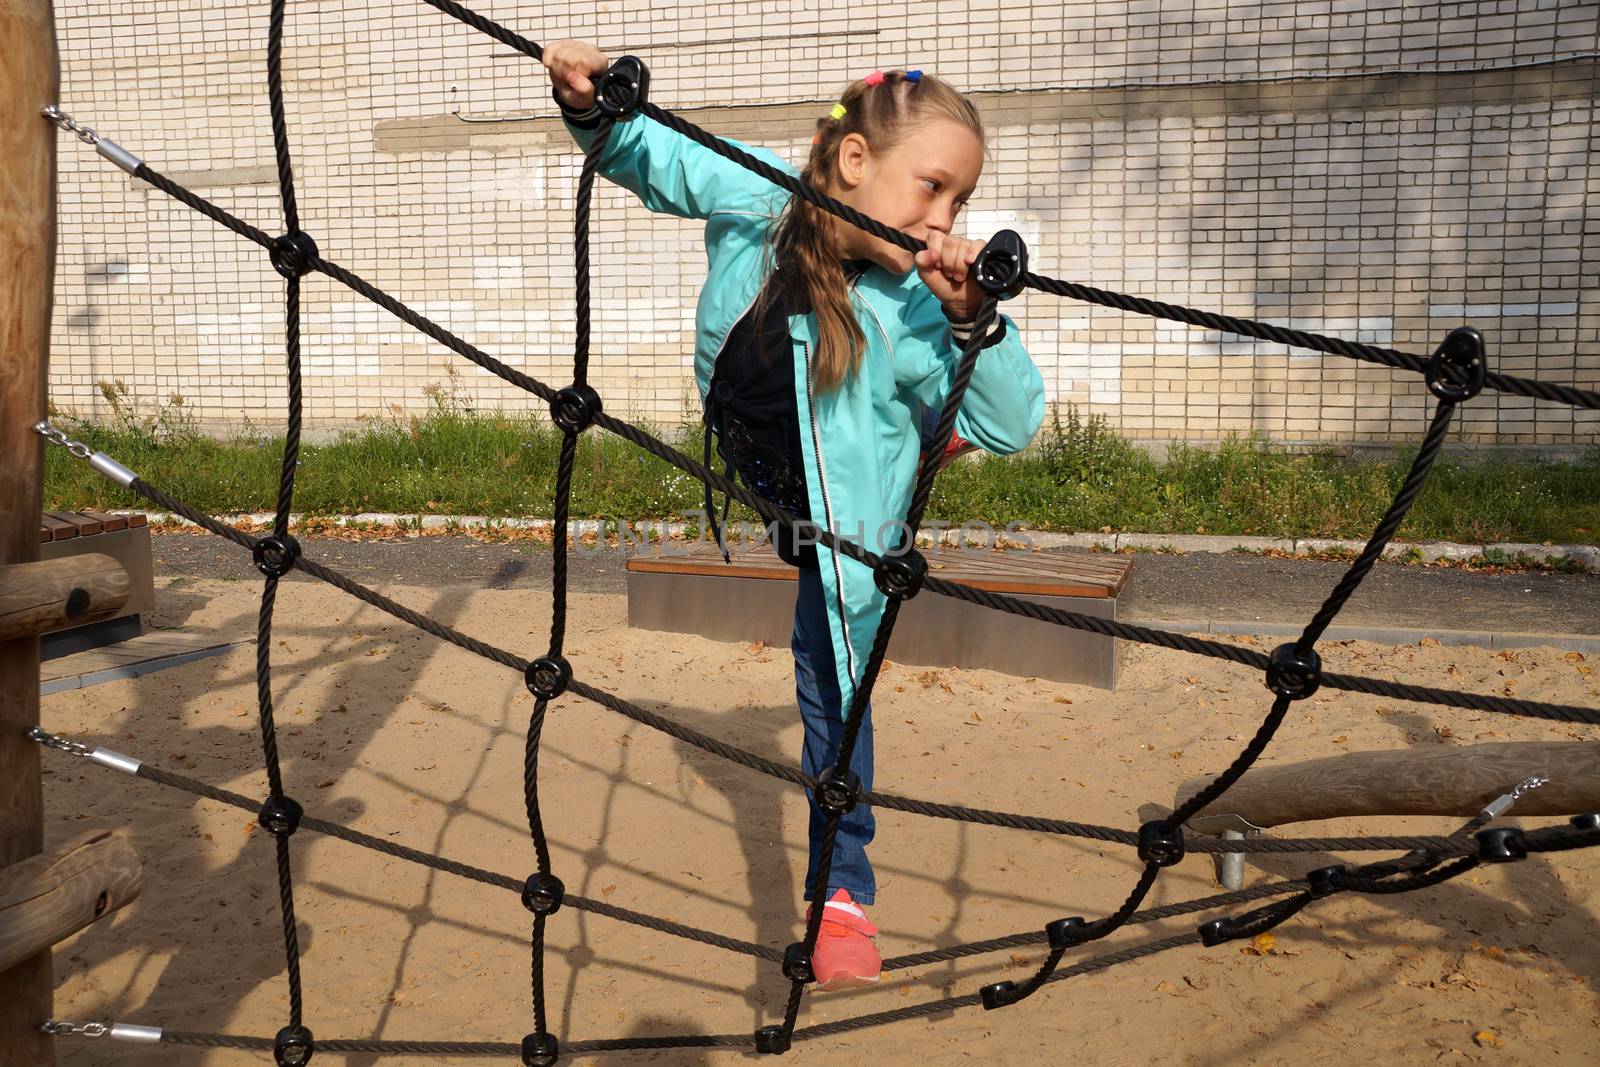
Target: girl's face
pixel 919 185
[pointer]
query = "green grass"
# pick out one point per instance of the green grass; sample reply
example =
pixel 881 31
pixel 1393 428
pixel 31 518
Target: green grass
pixel 1079 475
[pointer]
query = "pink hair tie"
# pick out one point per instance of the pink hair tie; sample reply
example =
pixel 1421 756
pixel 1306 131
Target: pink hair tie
pixel 875 78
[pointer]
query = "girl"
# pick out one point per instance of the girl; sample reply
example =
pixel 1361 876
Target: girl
pixel 818 350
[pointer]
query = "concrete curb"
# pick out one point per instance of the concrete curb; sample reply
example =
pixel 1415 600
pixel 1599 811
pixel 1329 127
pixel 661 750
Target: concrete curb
pixel 1588 644
pixel 1586 557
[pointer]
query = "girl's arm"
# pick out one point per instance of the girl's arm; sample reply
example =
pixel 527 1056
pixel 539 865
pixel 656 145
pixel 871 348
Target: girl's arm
pixel 666 170
pixel 1004 403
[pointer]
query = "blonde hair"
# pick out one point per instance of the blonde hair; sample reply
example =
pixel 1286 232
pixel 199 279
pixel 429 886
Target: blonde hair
pixel 805 239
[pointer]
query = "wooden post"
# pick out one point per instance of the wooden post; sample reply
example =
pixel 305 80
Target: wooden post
pixel 36 598
pixel 28 81
pixel 1434 780
pixel 47 898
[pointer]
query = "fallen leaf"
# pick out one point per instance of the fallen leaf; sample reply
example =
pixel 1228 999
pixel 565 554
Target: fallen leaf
pixel 1488 1039
pixel 607 890
pixel 1429 642
pixel 1166 987
pixel 1063 700
pixel 1260 945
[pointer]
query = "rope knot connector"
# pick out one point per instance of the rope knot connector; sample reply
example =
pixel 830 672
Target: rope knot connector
pixel 548 677
pixel 542 893
pixel 1215 932
pixel 899 575
pixel 623 88
pixel 796 964
pixel 999 995
pixel 1001 266
pixel 540 1050
pixel 1294 674
pixel 772 1041
pixel 837 795
pixel 1064 933
pixel 1501 844
pixel 1588 821
pixel 1160 845
pixel 280 815
pixel 293 1047
pixel 292 254
pixel 574 408
pixel 1458 369
pixel 275 555
pixel 1324 881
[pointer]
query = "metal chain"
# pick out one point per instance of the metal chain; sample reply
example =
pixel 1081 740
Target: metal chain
pixel 59 743
pixel 56 437
pixel 87 134
pixel 61 1028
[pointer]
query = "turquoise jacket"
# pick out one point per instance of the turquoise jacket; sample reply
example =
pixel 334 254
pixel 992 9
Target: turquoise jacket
pixel 861 441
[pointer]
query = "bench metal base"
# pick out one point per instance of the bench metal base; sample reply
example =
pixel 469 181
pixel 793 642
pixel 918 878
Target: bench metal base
pixel 932 630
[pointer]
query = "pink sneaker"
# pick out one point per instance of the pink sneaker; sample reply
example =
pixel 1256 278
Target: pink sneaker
pixel 846 956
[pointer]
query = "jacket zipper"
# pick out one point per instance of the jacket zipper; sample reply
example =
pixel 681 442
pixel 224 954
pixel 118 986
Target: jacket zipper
pixel 827 518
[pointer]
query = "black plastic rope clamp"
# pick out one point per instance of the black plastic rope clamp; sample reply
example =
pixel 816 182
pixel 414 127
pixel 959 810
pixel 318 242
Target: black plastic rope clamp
pixel 836 795
pixel 280 815
pixel 540 1050
pixel 1159 845
pixel 548 677
pixel 999 995
pixel 1459 368
pixel 1001 266
pixel 574 408
pixel 1293 675
pixel 1589 821
pixel 1501 844
pixel 1215 932
pixel 275 555
pixel 771 1040
pixel 1322 882
pixel 542 893
pixel 899 575
pixel 623 88
pixel 1064 933
pixel 292 253
pixel 293 1047
pixel 796 964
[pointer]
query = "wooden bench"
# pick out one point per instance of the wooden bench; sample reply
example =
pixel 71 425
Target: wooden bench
pixel 126 539
pixel 690 589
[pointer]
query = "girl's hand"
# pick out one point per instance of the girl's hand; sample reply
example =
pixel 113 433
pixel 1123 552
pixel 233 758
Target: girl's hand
pixel 946 269
pixel 571 64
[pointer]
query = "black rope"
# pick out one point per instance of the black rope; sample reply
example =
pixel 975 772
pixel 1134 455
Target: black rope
pixel 772 514
pixel 280 526
pixel 577 407
pixel 1363 564
pixel 862 695
pixel 1387 357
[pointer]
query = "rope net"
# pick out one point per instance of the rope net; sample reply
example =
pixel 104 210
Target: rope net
pixel 1454 375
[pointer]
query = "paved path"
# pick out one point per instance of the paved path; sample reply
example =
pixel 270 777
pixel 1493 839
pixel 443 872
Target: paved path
pixel 1196 587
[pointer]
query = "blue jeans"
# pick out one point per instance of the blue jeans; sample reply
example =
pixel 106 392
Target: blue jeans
pixel 817 690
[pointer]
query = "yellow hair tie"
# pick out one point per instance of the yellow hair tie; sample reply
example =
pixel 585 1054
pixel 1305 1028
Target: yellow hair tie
pixel 837 113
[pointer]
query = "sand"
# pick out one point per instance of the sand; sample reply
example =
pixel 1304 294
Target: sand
pixel 407 738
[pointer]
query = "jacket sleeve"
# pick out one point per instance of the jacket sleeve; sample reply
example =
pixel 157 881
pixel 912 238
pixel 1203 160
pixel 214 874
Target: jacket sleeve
pixel 672 174
pixel 1004 404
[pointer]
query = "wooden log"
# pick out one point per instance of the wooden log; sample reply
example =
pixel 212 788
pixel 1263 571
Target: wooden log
pixel 47 898
pixel 47 595
pixel 28 81
pixel 1412 781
